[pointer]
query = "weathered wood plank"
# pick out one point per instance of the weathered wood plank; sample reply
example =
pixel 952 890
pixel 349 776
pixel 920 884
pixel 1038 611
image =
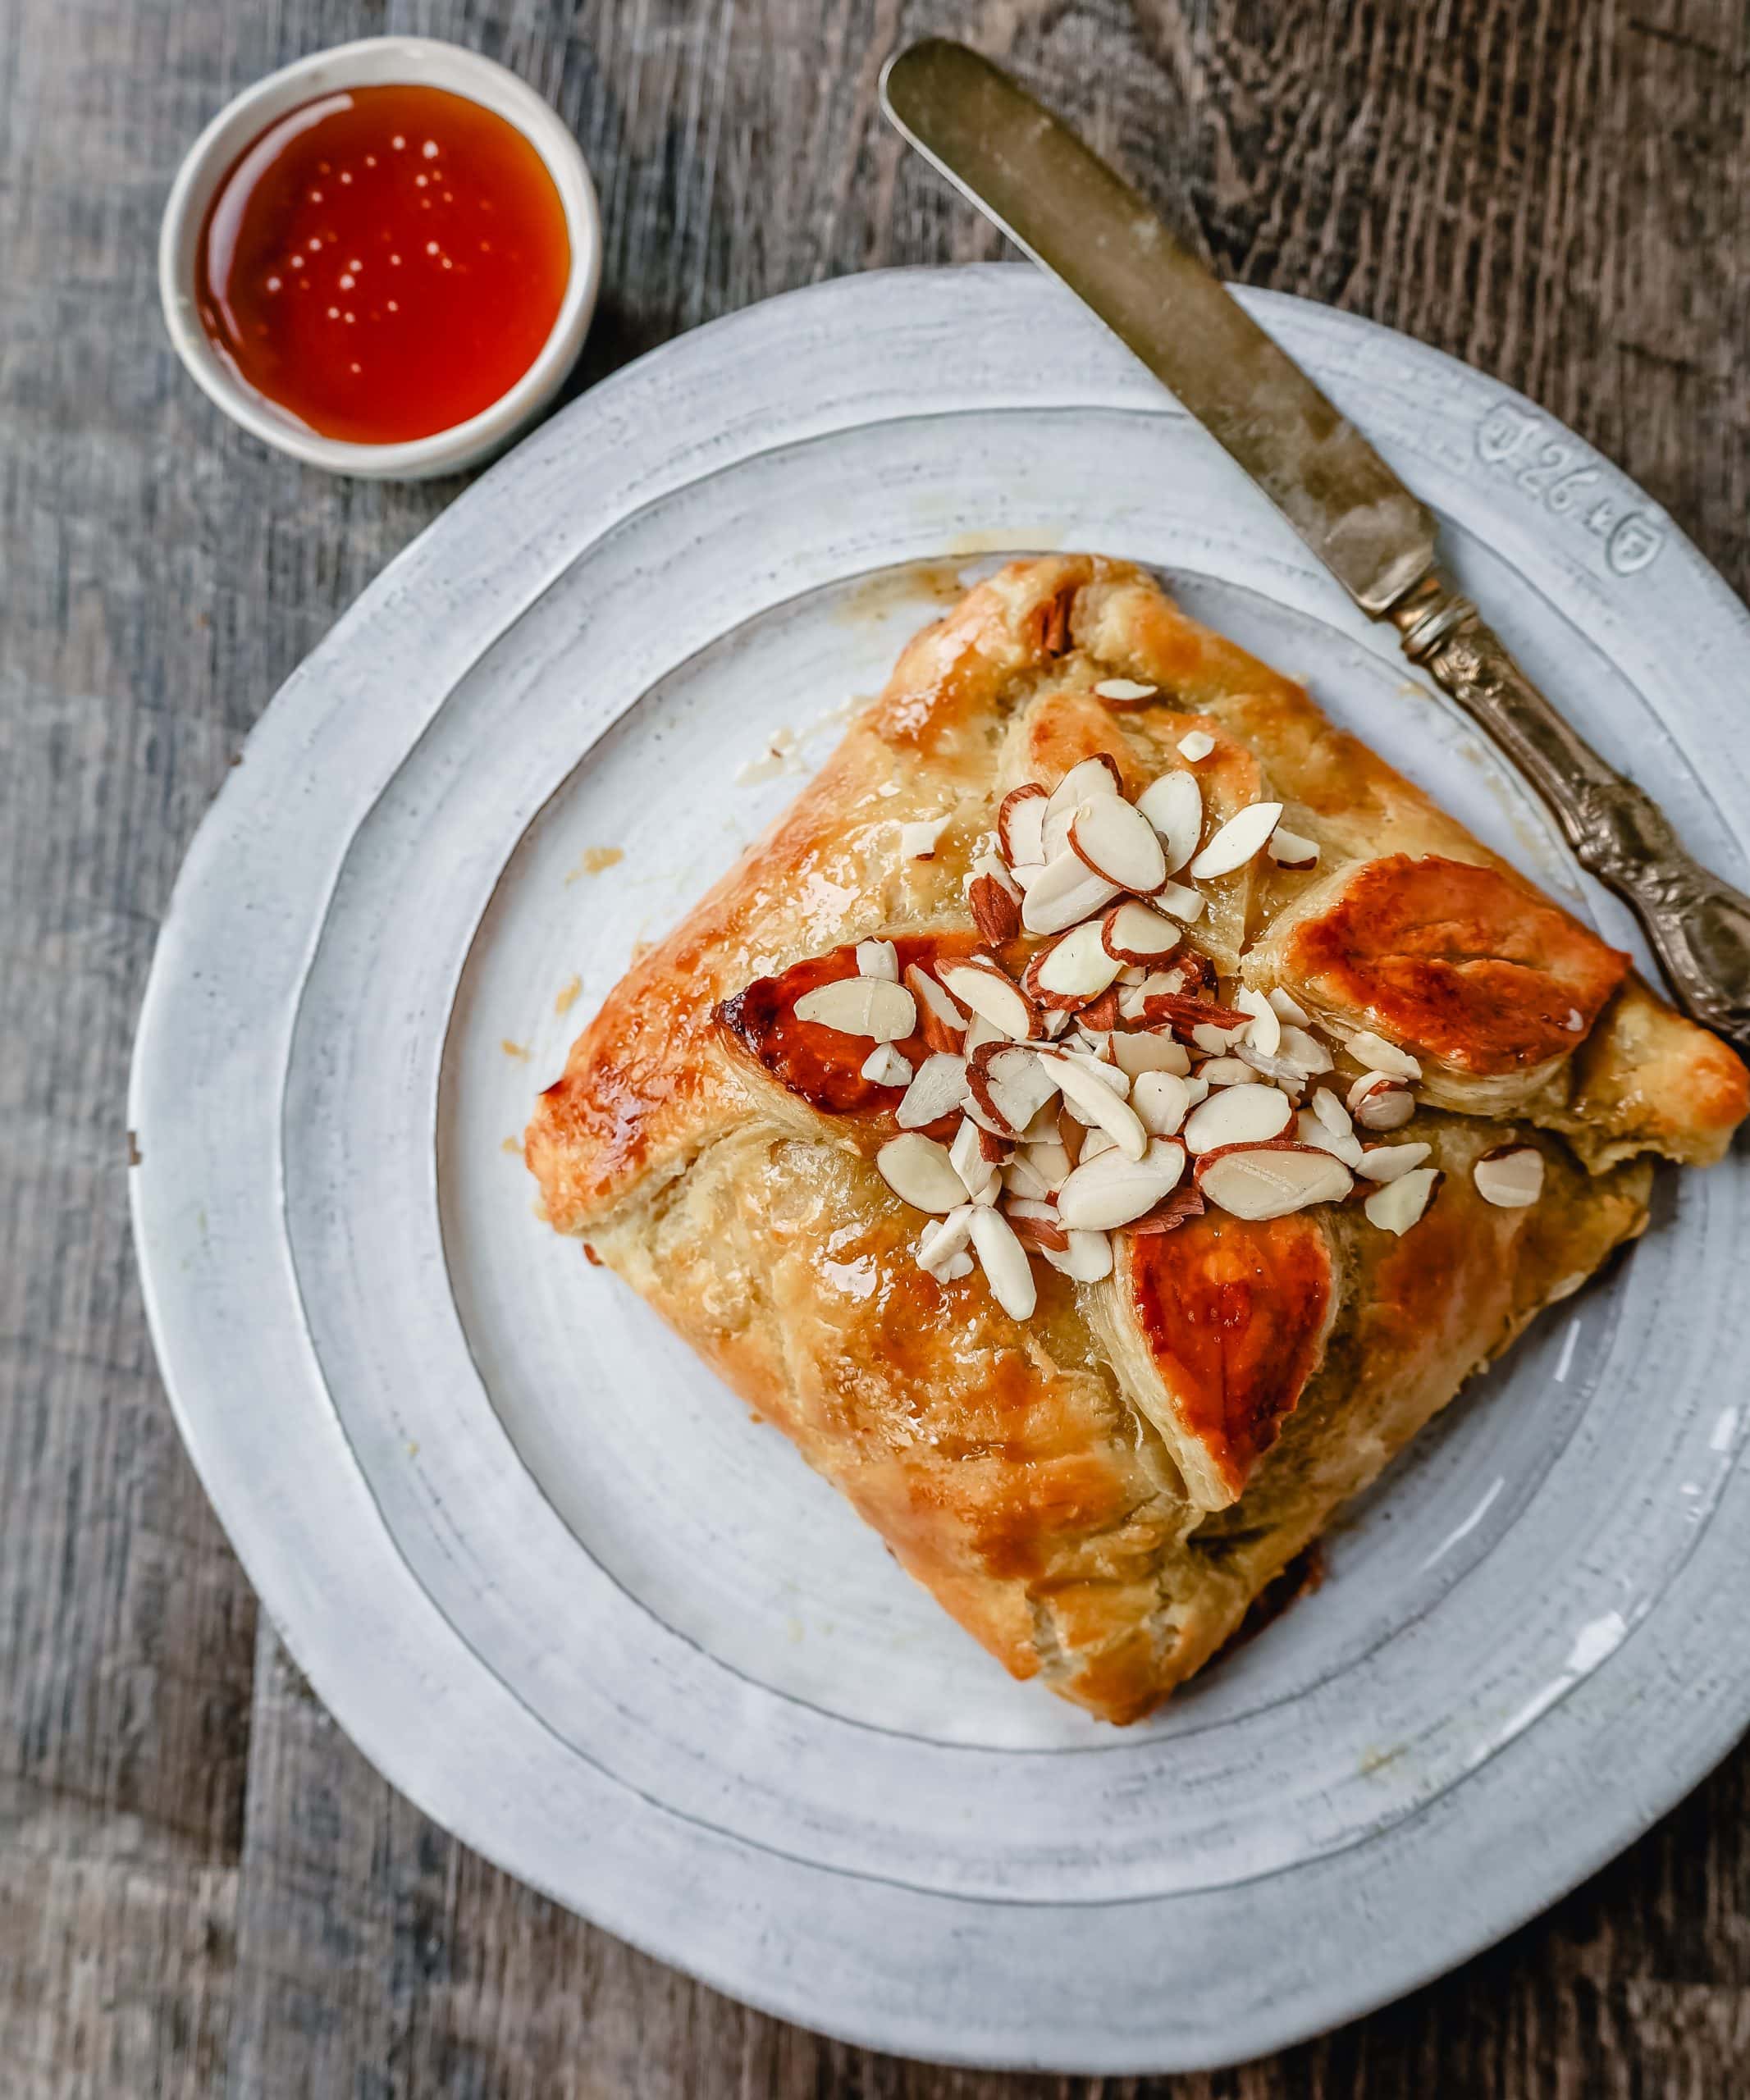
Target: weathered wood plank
pixel 200 1896
pixel 115 1951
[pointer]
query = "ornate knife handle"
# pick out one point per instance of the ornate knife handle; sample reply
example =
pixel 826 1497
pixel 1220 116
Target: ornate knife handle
pixel 1699 926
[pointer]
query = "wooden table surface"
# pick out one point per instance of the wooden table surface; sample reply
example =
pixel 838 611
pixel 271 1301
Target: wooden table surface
pixel 203 1889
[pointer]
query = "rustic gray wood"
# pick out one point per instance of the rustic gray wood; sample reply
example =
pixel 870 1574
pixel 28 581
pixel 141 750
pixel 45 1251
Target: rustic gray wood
pixel 203 1889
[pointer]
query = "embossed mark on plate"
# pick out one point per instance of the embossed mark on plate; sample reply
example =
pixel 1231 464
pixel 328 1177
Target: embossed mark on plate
pixel 1570 481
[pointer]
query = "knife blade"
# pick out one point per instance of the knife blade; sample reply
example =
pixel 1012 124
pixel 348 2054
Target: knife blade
pixel 1056 199
pixel 1077 218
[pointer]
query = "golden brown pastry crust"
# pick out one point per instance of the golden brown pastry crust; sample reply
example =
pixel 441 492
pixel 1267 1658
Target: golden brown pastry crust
pixel 1037 1476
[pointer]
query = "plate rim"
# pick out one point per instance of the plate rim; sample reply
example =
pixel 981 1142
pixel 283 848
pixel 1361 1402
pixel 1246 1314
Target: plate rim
pixel 296 1606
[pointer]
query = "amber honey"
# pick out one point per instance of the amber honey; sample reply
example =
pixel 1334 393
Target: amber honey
pixel 384 263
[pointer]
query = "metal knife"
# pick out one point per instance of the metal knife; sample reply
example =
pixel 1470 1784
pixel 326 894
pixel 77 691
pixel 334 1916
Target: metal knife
pixel 1058 200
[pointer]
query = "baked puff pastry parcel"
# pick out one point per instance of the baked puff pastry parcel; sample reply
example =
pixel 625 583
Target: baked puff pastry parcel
pixel 1108 1116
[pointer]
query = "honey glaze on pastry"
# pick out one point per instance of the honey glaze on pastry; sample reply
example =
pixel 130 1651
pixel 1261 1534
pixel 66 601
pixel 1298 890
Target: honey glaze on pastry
pixel 824 1066
pixel 1233 1314
pixel 1194 1103
pixel 1487 983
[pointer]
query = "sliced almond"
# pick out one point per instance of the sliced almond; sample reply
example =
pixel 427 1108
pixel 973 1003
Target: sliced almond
pixel 1112 1188
pixel 1341 1144
pixel 1304 1050
pixel 1018 822
pixel 1065 892
pixel 940 1020
pixel 1101 1014
pixel 1399 1204
pixel 1193 975
pixel 1237 842
pixel 1107 1073
pixel 995 908
pixel 981 1119
pixel 1024 873
pixel 917 840
pixel 981 984
pixel 1091 1097
pixel 1136 1051
pixel 1021 1177
pixel 939 1244
pixel 1030 984
pixel 1185 1203
pixel 1044 1124
pixel 1367 1048
pixel 1050 1160
pixel 1086 1259
pixel 1184 903
pixel 1215 1041
pixel 1288 849
pixel 1097 776
pixel 1183 982
pixel 1004 1261
pixel 1173 805
pixel 1077 968
pixel 878 958
pixel 1186 1014
pixel 861 1005
pixel 1039 1235
pixel 1130 933
pixel 884 1067
pixel 978 1033
pixel 1330 1112
pixel 935 1091
pixel 1012 1084
pixel 1154 985
pixel 920 1172
pixel 1510 1177
pixel 1280 1071
pixel 1228 1071
pixel 966 1157
pixel 1118 841
pixel 1265 1181
pixel 1265 1034
pixel 994 865
pixel 1289 1009
pixel 1162 1101
pixel 1237 1115
pixel 1195 745
pixel 1378 1101
pixel 1125 690
pixel 1095 1143
pixel 1387 1162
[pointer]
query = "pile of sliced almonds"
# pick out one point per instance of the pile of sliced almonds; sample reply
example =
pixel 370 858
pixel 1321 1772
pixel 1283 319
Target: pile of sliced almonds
pixel 1108 1087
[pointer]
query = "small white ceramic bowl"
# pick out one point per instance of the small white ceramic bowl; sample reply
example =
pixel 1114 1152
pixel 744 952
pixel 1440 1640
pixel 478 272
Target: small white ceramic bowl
pixel 377 61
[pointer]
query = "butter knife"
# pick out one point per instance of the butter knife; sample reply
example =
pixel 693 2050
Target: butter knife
pixel 1078 220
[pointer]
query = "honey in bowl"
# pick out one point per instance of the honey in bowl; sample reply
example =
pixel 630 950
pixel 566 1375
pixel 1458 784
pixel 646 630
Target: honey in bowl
pixel 383 262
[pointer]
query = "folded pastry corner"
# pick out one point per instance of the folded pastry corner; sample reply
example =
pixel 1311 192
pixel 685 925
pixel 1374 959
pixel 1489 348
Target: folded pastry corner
pixel 1108 1116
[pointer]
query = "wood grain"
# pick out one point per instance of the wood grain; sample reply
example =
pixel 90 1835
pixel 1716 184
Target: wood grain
pixel 203 1889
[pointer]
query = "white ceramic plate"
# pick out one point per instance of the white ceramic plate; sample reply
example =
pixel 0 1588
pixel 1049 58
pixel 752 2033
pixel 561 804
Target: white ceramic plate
pixel 545 1571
